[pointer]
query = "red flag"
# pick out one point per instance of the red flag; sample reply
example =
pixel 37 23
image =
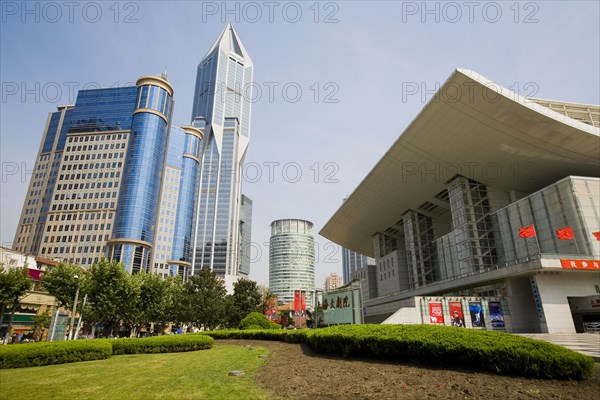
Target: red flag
pixel 565 233
pixel 528 231
pixel 597 235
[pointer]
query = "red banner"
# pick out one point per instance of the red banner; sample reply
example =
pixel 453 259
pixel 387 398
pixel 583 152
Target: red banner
pixel 456 314
pixel 596 235
pixel 565 233
pixel 580 264
pixel 436 315
pixel 528 231
pixel 297 301
pixel 302 300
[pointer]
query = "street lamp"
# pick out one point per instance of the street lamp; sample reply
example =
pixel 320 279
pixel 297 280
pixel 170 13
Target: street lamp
pixel 71 336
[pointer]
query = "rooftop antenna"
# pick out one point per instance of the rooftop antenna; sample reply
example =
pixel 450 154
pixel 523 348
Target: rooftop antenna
pixel 164 74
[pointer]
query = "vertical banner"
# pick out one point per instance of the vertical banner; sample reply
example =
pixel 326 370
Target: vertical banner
pixel 303 300
pixel 496 314
pixel 456 314
pixel 476 314
pixel 436 315
pixel 297 302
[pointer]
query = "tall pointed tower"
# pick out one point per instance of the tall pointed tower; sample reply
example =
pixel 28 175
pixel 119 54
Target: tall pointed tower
pixel 222 109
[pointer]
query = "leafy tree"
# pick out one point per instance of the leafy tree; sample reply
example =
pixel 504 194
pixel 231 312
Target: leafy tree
pixel 61 283
pixel 246 298
pixel 112 294
pixel 154 301
pixel 202 300
pixel 14 284
pixel 40 322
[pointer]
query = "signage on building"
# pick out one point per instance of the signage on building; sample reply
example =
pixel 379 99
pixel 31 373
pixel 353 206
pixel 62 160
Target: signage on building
pixel 580 264
pixel 436 314
pixel 457 316
pixel 476 312
pixel 496 314
pixel 341 306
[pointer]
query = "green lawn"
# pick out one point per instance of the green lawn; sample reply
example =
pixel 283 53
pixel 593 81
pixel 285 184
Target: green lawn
pixel 194 375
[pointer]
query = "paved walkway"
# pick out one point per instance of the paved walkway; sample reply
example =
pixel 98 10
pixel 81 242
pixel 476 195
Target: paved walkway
pixel 586 343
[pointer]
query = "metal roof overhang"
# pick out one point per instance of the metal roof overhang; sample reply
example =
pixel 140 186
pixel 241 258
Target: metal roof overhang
pixel 475 128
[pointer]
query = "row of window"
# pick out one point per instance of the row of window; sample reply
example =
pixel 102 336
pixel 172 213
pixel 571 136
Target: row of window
pixel 91 138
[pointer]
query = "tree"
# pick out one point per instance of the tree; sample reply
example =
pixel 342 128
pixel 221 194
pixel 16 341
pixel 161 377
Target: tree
pixel 112 294
pixel 40 322
pixel 246 298
pixel 61 283
pixel 202 300
pixel 153 301
pixel 14 284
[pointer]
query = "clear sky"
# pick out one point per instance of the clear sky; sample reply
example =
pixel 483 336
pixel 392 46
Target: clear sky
pixel 334 81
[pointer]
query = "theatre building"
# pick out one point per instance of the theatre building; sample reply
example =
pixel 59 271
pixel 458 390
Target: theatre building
pixel 484 213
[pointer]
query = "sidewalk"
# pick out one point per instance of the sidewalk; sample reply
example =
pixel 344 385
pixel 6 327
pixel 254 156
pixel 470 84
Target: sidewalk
pixel 586 343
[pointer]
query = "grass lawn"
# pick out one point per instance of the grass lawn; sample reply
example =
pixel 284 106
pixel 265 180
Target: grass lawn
pixel 193 375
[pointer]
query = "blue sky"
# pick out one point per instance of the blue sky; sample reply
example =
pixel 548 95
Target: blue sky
pixel 352 62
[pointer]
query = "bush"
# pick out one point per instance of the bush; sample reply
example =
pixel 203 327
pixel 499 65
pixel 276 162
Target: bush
pixel 47 353
pixel 256 320
pixel 160 344
pixel 497 352
pixel 479 350
pixel 278 335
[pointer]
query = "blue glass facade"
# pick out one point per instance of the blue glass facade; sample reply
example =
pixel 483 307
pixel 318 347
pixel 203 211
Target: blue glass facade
pixel 224 76
pixel 135 221
pixel 184 153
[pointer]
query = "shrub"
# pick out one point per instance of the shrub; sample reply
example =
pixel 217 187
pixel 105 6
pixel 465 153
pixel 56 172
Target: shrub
pixel 279 335
pixel 160 344
pixel 47 353
pixel 256 320
pixel 497 352
pixel 479 350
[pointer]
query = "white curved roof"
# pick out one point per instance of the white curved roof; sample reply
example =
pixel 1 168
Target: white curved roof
pixel 477 129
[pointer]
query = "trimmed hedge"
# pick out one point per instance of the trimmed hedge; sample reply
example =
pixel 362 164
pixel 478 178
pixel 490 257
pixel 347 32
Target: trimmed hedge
pixel 256 320
pixel 46 353
pixel 278 335
pixel 160 344
pixel 479 350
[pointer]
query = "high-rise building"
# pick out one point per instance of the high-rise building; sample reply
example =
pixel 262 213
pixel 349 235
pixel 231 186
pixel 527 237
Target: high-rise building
pixel 112 180
pixel 174 233
pixel 332 281
pixel 352 262
pixel 292 259
pixel 222 109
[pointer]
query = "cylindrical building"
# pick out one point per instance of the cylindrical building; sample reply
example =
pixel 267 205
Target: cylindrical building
pixel 292 259
pixel 135 220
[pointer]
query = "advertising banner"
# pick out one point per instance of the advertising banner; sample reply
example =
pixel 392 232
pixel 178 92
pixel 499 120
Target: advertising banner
pixel 303 300
pixel 436 315
pixel 456 314
pixel 496 314
pixel 476 314
pixel 297 301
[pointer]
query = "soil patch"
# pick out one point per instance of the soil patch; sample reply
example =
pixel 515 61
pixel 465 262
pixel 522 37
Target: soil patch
pixel 295 371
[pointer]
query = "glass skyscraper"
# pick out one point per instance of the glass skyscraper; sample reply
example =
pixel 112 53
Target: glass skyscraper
pixel 292 259
pixel 222 109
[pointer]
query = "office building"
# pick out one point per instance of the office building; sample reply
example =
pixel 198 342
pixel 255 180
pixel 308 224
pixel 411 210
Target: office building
pixel 222 109
pixel 99 174
pixel 488 204
pixel 292 259
pixel 332 281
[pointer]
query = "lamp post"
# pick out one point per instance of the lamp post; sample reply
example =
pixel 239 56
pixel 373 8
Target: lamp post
pixel 71 336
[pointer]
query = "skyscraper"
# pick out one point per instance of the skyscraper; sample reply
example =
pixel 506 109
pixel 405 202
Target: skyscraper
pixel 222 109
pixel 292 259
pixel 105 186
pixel 332 281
